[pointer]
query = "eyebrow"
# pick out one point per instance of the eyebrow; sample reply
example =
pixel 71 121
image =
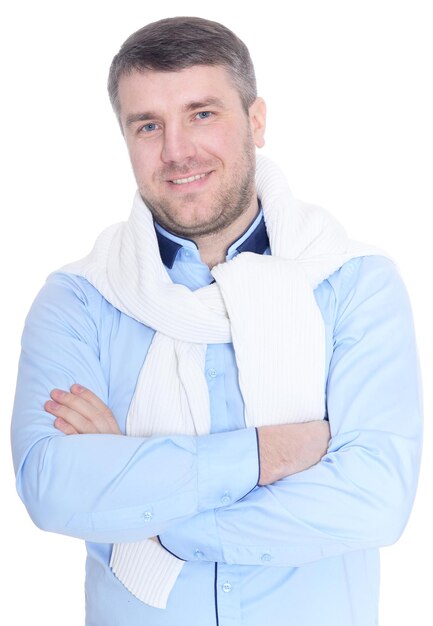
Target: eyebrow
pixel 202 104
pixel 139 117
pixel 190 106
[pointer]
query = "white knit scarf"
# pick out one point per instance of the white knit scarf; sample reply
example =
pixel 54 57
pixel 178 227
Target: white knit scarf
pixel 264 305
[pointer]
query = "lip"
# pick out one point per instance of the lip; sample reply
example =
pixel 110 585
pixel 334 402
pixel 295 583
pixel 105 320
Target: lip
pixel 189 181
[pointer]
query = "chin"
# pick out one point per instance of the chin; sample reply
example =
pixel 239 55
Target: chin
pixel 197 225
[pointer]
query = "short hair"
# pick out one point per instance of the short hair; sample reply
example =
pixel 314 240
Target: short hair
pixel 176 43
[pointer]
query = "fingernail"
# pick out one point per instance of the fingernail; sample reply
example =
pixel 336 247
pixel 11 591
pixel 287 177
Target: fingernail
pixel 57 394
pixel 51 405
pixel 77 388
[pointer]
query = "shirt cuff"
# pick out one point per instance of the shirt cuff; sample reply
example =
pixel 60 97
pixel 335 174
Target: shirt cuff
pixel 227 467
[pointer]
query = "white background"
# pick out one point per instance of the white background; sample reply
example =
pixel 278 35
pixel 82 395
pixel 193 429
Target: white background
pixel 349 92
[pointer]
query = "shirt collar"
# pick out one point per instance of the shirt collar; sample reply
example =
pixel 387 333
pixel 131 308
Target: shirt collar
pixel 254 239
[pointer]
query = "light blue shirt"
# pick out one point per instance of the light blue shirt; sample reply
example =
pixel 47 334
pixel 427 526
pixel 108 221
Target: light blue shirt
pixel 300 552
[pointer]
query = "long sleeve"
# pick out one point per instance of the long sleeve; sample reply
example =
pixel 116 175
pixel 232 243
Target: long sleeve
pixel 360 495
pixel 108 488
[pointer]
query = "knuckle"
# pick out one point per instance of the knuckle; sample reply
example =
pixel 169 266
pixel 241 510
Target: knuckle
pixel 67 399
pixel 89 428
pixel 107 414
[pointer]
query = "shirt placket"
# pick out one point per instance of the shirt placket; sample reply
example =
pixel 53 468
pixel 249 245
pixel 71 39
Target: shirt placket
pixel 228 594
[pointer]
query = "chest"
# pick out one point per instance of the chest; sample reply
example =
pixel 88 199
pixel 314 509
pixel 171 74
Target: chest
pixel 124 344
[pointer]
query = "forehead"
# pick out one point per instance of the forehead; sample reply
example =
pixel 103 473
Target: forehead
pixel 168 90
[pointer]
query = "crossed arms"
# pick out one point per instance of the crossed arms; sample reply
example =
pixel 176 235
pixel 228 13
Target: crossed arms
pixel 96 486
pixel 283 449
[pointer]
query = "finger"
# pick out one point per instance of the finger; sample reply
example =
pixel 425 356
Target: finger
pixel 65 427
pixel 99 416
pixel 90 397
pixel 76 420
pixel 81 407
pixel 104 413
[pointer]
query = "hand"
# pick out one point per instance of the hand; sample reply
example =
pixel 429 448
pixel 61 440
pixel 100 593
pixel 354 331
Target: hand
pixel 80 412
pixel 290 448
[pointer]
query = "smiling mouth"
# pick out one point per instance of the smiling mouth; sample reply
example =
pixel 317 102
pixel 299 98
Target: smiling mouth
pixel 189 179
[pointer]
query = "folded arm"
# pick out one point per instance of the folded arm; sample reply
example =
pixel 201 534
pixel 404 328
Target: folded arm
pixel 360 495
pixel 115 488
pixel 76 473
pixel 106 487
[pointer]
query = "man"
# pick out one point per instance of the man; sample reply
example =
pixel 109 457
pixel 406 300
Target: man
pixel 194 360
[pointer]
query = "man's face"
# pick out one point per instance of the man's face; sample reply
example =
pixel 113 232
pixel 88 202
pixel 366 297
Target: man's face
pixel 192 147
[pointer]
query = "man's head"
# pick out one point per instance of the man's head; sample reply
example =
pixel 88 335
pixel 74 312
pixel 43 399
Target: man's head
pixel 185 95
pixel 174 44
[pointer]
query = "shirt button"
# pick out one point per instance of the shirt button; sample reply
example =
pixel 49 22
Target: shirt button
pixel 212 372
pixel 266 557
pixel 187 253
pixel 198 554
pixel 226 498
pixel 227 587
pixel 147 515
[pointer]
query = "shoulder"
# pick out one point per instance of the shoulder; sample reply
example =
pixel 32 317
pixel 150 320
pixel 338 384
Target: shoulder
pixel 64 291
pixel 69 303
pixel 366 283
pixel 71 283
pixel 364 272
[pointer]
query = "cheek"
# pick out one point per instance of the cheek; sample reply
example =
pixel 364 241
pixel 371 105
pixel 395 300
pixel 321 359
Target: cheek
pixel 225 143
pixel 142 161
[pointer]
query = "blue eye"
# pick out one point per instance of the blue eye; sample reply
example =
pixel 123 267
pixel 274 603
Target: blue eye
pixel 203 115
pixel 148 128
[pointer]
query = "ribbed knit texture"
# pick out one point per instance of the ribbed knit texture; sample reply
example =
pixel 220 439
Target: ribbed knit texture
pixel 133 561
pixel 264 305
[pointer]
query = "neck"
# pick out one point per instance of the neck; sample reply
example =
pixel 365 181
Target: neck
pixel 213 247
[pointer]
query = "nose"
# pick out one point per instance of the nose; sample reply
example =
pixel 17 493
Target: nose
pixel 178 144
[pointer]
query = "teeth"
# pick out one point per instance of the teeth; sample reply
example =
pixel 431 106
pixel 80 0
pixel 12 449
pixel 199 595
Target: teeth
pixel 190 179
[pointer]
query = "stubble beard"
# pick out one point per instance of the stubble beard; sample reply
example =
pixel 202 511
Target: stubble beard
pixel 228 204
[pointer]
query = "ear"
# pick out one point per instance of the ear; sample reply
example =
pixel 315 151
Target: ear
pixel 257 115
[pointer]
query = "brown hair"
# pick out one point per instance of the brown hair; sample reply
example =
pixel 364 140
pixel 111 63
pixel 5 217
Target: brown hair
pixel 176 43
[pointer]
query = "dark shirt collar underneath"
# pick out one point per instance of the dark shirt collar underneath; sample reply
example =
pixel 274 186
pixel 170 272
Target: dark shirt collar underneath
pixel 257 241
